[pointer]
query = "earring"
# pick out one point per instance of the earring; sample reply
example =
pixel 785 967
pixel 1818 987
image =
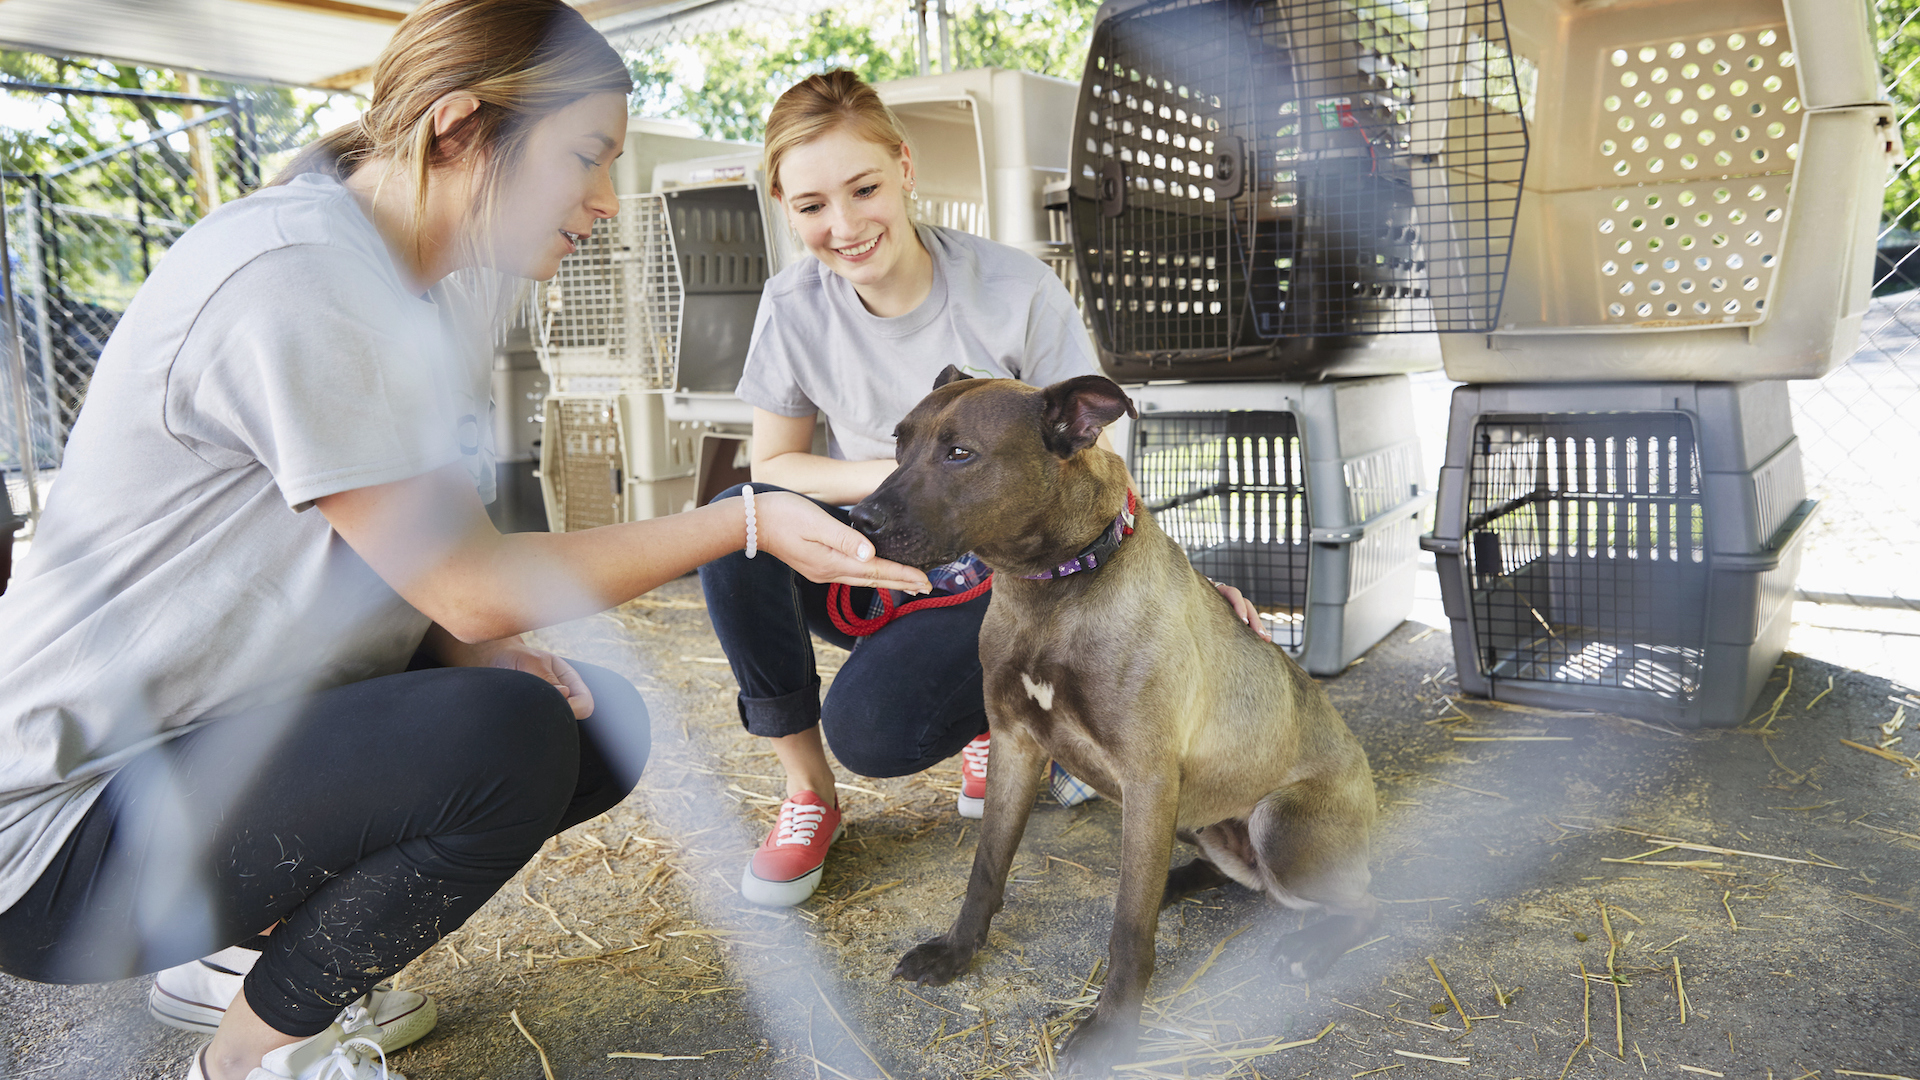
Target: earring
pixel 911 193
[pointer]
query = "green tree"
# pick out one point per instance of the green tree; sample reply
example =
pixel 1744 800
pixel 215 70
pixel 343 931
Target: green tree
pixel 725 83
pixel 1900 66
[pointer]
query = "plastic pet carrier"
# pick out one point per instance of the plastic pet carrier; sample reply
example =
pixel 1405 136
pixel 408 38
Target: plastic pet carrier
pixel 1289 188
pixel 1306 497
pixel 1702 195
pixel 1628 547
pixel 985 143
pixel 608 335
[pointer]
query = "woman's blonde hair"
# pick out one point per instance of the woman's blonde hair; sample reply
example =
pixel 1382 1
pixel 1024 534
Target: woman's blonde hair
pixel 522 59
pixel 818 104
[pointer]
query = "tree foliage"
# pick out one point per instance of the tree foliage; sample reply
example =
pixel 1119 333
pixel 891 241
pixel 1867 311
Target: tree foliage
pixel 725 83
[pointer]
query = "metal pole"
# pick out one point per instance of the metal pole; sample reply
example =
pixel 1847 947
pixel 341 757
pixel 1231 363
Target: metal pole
pixel 35 204
pixel 920 25
pixel 946 37
pixel 17 369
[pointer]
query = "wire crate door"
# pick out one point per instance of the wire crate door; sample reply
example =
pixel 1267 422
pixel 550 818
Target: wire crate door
pixel 613 309
pixel 1247 175
pixel 583 467
pixel 1587 551
pixel 1230 488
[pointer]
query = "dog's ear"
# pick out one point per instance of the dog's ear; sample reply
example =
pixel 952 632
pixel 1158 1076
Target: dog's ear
pixel 1078 409
pixel 947 375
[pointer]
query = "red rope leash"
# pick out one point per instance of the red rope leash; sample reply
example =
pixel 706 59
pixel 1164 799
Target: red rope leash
pixel 840 607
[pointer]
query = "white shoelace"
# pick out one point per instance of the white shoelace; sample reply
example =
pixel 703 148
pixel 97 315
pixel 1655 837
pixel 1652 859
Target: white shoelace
pixel 798 823
pixel 975 756
pixel 347 1061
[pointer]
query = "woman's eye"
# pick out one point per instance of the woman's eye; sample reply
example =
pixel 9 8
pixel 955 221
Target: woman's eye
pixel 586 161
pixel 958 453
pixel 866 191
pixel 809 208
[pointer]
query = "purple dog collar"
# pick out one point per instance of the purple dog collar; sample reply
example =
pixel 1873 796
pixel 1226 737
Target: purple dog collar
pixel 1094 555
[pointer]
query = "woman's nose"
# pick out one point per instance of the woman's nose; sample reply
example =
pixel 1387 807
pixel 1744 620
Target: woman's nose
pixel 601 198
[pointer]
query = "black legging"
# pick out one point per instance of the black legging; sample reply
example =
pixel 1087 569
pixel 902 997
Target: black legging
pixel 363 823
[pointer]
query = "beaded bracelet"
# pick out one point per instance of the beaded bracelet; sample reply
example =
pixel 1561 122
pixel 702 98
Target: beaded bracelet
pixel 753 532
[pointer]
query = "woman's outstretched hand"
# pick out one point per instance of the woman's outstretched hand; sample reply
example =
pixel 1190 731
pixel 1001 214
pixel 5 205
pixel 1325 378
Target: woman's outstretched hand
pixel 514 654
pixel 816 545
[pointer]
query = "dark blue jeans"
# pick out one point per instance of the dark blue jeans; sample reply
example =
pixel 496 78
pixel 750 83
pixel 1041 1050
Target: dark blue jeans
pixel 909 697
pixel 363 823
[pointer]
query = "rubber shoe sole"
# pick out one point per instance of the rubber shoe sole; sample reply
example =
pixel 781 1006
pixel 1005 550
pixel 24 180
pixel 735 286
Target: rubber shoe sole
pixel 394 1031
pixel 764 893
pixel 971 807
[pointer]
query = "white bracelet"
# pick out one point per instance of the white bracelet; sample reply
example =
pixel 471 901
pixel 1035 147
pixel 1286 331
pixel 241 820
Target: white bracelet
pixel 753 532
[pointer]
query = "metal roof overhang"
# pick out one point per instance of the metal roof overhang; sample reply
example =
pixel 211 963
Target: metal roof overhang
pixel 330 44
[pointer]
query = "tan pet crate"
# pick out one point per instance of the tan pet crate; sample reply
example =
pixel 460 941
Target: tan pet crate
pixel 1701 197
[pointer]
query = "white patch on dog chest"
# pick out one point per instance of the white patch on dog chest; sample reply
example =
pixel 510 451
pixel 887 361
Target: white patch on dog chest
pixel 1040 692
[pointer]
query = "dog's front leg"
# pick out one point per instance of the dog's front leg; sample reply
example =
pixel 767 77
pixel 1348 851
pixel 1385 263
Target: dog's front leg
pixel 1148 812
pixel 1013 782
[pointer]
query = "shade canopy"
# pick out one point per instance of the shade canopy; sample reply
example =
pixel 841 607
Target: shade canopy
pixel 330 44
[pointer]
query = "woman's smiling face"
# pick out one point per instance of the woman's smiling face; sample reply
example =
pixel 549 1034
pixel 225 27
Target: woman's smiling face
pixel 846 198
pixel 563 185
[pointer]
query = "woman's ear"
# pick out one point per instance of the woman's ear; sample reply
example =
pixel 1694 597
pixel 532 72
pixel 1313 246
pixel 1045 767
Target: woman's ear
pixel 450 111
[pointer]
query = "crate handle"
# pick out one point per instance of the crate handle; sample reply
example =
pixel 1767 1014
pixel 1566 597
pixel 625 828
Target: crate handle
pixel 1347 534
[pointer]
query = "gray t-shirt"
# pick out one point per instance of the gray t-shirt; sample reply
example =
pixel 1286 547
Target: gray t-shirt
pixel 275 356
pixel 994 311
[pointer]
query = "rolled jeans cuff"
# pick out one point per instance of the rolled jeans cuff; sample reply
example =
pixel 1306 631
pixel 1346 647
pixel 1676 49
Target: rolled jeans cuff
pixel 788 714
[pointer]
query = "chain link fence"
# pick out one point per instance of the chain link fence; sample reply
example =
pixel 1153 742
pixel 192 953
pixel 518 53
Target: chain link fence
pixel 1859 427
pixel 92 203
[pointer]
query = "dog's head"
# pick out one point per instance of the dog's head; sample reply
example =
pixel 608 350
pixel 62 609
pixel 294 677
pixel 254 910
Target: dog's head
pixel 999 468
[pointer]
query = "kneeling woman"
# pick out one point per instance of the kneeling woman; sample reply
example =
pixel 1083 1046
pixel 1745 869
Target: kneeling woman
pixel 261 669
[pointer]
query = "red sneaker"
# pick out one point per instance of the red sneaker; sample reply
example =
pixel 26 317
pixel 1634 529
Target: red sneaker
pixel 788 865
pixel 973 778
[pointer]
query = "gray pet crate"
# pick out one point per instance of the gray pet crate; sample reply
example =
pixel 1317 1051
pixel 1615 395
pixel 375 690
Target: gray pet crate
pixel 1628 547
pixel 1306 497
pixel 1294 188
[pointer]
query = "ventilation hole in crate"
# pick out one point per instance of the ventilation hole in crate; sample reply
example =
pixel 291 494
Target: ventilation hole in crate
pixel 1750 284
pixel 1644 310
pixel 1717 284
pixel 1616 310
pixel 1686 285
pixel 1656 286
pixel 1731 307
pixel 1609 268
pixel 1701 307
pixel 1734 261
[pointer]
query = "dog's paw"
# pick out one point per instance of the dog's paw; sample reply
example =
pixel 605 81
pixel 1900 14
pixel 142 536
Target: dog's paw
pixel 933 963
pixel 1095 1046
pixel 1306 954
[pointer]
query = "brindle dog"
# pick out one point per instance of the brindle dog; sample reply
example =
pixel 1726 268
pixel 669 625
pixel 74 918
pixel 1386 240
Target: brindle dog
pixel 1134 676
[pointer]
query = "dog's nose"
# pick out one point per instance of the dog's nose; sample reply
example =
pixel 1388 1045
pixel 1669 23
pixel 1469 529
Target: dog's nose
pixel 869 518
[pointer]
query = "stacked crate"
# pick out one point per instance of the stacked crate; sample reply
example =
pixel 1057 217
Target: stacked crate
pixel 1279 204
pixel 1620 511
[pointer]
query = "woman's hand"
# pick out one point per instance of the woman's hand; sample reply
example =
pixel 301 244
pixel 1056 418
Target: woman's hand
pixel 1242 607
pixel 515 654
pixel 811 541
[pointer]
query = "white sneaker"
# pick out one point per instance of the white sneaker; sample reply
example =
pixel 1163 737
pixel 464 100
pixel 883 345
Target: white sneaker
pixel 195 996
pixel 331 1055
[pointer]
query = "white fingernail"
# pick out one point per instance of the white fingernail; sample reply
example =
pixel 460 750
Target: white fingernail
pixel 865 552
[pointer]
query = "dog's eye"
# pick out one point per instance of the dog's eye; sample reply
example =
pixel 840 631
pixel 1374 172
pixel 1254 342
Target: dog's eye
pixel 958 453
